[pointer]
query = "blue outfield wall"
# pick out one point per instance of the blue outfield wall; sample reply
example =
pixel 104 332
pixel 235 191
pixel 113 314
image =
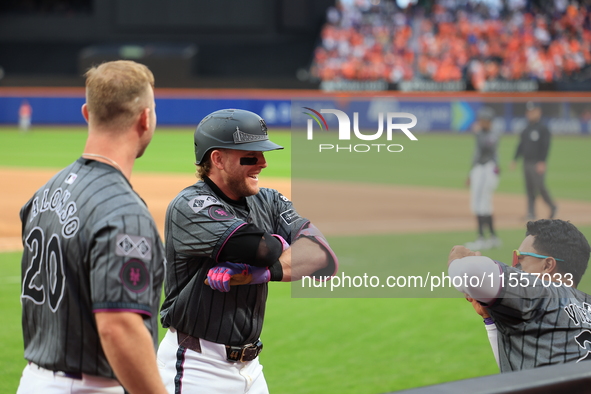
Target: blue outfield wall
pixel 442 113
pixel 561 115
pixel 171 111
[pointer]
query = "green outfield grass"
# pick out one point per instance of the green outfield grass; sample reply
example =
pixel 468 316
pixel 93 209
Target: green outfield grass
pixel 441 160
pixel 171 150
pixel 346 345
pixel 327 345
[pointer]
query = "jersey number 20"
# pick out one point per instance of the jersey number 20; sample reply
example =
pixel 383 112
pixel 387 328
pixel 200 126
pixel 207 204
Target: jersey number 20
pixel 45 275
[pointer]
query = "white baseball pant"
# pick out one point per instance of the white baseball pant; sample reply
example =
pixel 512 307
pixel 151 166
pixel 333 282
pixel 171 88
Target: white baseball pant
pixel 483 182
pixel 37 380
pixel 186 371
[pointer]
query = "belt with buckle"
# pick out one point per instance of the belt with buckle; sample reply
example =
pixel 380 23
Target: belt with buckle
pixel 233 353
pixel 244 353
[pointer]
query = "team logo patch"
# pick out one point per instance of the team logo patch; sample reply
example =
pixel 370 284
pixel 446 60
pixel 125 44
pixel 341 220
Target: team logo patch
pixel 289 216
pixel 218 213
pixel 263 126
pixel 198 203
pixel 135 276
pixel 134 246
pixel 71 178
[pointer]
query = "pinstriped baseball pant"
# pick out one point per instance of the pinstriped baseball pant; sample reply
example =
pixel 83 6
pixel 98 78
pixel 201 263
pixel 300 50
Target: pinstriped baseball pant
pixel 186 371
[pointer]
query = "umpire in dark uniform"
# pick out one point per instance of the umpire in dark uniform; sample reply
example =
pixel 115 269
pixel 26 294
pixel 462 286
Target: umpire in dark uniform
pixel 534 145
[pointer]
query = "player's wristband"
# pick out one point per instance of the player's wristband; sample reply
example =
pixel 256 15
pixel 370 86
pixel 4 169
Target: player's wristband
pixel 284 243
pixel 260 275
pixel 488 321
pixel 276 271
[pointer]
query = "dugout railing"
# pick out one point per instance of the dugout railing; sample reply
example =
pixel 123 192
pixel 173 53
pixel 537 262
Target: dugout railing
pixel 573 378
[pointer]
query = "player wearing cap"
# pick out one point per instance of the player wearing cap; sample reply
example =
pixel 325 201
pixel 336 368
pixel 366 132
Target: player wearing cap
pixel 93 262
pixel 534 314
pixel 534 145
pixel 225 230
pixel 484 179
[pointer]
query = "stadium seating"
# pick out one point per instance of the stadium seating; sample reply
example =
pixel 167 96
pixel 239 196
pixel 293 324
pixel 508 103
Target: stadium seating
pixel 368 40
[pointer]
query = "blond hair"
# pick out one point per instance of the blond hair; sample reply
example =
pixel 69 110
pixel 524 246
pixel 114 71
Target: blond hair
pixel 204 168
pixel 116 92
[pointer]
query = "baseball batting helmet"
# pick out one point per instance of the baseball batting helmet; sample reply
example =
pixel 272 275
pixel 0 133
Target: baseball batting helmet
pixel 232 129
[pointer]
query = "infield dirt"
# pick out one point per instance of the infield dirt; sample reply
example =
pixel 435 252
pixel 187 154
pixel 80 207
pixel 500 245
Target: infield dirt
pixel 367 208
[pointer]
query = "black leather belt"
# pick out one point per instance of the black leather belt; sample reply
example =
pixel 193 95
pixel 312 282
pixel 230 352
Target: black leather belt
pixel 233 353
pixel 71 375
pixel 244 353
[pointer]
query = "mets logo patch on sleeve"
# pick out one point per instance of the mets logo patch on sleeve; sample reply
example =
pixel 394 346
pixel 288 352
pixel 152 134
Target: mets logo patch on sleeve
pixel 220 213
pixel 135 276
pixel 133 246
pixel 200 202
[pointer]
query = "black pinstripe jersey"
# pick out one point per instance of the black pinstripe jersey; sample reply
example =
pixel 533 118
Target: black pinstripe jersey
pixel 540 324
pixel 90 245
pixel 198 224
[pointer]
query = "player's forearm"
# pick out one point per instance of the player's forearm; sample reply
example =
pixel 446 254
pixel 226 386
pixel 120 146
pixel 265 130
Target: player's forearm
pixel 129 348
pixel 303 258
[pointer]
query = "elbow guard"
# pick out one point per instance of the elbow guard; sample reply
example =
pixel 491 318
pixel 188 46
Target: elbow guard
pixel 313 233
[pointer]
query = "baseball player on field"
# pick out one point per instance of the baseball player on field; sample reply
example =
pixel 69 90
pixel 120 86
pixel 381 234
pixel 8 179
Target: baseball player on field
pixel 93 262
pixel 484 179
pixel 228 232
pixel 533 312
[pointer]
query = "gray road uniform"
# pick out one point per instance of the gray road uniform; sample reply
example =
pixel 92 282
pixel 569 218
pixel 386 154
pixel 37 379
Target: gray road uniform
pixel 538 322
pixel 484 175
pixel 199 224
pixel 213 339
pixel 542 324
pixel 90 245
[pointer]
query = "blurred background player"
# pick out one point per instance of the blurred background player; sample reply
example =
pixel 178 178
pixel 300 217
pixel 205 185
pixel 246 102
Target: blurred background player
pixel 533 312
pixel 93 262
pixel 221 227
pixel 25 112
pixel 484 179
pixel 534 145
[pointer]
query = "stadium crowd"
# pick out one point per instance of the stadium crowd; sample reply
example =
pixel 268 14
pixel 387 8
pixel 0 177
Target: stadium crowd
pixel 451 40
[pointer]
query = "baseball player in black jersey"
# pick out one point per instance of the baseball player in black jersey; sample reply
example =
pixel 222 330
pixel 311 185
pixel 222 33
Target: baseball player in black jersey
pixel 227 232
pixel 534 145
pixel 93 262
pixel 533 312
